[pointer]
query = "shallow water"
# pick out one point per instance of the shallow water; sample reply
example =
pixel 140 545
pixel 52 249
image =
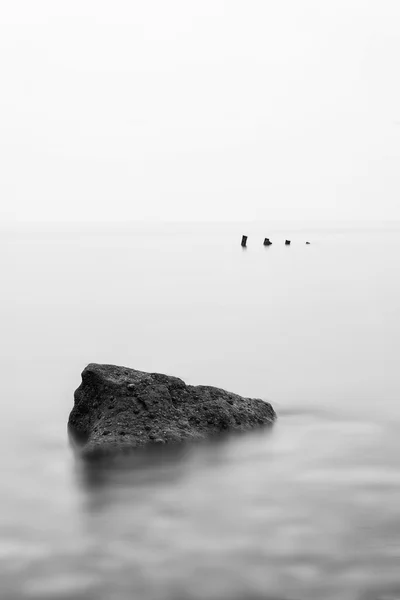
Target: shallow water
pixel 306 510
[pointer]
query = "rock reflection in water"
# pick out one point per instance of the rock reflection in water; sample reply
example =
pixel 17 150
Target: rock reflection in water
pixel 277 514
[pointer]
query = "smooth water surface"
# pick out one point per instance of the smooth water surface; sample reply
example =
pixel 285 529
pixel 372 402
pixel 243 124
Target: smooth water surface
pixel 309 509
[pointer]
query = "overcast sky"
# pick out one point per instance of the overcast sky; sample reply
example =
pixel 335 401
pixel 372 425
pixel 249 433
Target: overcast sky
pixel 199 109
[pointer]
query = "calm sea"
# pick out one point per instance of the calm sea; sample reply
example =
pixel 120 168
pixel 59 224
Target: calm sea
pixel 308 510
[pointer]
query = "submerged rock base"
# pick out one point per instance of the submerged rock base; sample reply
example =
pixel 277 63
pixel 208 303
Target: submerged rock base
pixel 117 408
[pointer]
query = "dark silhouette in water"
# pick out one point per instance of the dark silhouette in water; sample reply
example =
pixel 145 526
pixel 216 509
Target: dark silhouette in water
pixel 287 242
pixel 267 242
pixel 117 409
pixel 244 241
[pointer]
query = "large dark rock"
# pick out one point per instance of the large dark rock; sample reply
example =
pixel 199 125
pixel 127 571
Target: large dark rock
pixel 117 408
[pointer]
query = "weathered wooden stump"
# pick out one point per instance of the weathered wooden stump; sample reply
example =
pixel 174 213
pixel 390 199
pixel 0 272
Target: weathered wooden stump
pixel 244 241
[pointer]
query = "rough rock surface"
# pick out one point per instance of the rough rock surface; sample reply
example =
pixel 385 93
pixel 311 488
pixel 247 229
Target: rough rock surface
pixel 117 408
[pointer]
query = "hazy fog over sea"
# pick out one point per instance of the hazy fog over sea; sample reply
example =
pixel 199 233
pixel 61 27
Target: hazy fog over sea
pixel 306 510
pixel 138 142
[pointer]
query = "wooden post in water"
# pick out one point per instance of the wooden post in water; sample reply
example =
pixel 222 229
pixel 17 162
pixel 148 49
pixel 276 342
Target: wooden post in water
pixel 267 242
pixel 287 243
pixel 244 241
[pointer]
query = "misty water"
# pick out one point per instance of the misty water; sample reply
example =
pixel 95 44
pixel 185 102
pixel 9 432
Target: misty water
pixel 309 509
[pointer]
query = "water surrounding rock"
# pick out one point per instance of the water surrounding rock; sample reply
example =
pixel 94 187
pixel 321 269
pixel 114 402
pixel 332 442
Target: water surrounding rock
pixel 117 408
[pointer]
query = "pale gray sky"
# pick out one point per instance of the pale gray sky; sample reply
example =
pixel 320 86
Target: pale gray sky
pixel 199 109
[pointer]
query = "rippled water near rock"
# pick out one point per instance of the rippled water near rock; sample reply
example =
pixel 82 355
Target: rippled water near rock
pixel 306 510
